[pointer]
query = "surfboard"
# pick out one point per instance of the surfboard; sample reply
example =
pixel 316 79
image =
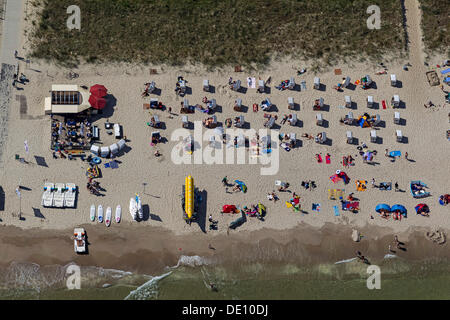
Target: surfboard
pixel 93 212
pixel 108 216
pixel 118 213
pixel 100 213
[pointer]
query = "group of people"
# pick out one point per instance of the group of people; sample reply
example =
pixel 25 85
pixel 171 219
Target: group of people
pixel 93 187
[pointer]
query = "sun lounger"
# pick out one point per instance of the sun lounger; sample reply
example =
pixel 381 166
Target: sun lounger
pixel 346 82
pixel 69 195
pixel 206 85
pixel 212 104
pixel 186 103
pixel 95 149
pixel 377 120
pixel 397 117
pixel 293 138
pixel 393 80
pixel 237 85
pixel 154 103
pixel 316 83
pixel 261 86
pixel 121 144
pixel 291 84
pixel 114 149
pixel 184 121
pixel 395 101
pixel 303 85
pixel 240 122
pixel 117 131
pixel 398 134
pixel 212 141
pixel 350 117
pixel 269 124
pixel 47 196
pixel 348 102
pixel 104 152
pixel 373 136
pixel 291 103
pixel 349 137
pixel 369 101
pixel 319 119
pixel 58 195
pixel 151 87
pixel 293 120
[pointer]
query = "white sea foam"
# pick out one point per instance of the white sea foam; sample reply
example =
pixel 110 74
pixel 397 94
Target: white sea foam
pixel 345 261
pixel 192 261
pixel 390 256
pixel 147 290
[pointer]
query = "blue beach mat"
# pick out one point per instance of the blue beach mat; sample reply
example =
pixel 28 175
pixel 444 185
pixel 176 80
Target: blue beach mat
pixel 336 211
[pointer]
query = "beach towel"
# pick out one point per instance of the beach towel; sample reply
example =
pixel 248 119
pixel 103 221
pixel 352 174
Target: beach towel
pixel 336 211
pixel 384 104
pixel 319 159
pixel 395 153
pixel 445 71
pixel 251 83
pixel 335 178
pixel 328 160
pixel 316 207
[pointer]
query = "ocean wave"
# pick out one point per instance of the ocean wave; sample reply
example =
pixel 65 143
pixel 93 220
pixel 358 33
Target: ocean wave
pixel 345 261
pixel 192 261
pixel 148 290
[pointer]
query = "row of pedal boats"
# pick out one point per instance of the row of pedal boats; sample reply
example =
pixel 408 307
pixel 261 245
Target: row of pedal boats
pixel 135 211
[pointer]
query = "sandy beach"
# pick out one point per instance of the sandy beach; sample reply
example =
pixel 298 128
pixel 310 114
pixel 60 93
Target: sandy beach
pixel 163 230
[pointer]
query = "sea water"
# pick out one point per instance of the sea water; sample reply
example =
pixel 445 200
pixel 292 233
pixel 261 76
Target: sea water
pixel 192 277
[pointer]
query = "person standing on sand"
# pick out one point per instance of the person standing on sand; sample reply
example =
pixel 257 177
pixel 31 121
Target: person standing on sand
pixel 373 182
pixel 386 153
pixel 406 155
pixel 396 186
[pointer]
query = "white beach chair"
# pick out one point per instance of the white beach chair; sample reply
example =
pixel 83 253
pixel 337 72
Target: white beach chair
pixel 369 101
pixel 261 86
pixel 237 85
pixel 350 117
pixel 369 79
pixel 238 103
pixel 104 152
pixel 319 119
pixel 58 195
pixel 240 122
pixel 184 121
pixel 373 136
pixel 270 123
pixel 117 131
pixel 399 135
pixel 157 122
pixel 114 148
pixel 346 82
pixel 293 138
pixel 291 103
pixel 397 117
pixel 121 144
pixel 182 86
pixel 377 120
pixel 349 137
pixel 186 103
pixel 151 87
pixel 324 137
pixel 212 104
pixel 47 196
pixel 396 101
pixel 293 120
pixel 95 149
pixel 291 84
pixel 317 83
pixel 348 102
pixel 206 85
pixel 393 80
pixel 212 141
pixel 69 195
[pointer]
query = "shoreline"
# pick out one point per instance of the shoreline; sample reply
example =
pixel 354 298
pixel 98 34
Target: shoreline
pixel 150 250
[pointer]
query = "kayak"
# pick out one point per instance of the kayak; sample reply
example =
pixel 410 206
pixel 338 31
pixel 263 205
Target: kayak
pixel 93 212
pixel 108 216
pixel 100 213
pixel 118 213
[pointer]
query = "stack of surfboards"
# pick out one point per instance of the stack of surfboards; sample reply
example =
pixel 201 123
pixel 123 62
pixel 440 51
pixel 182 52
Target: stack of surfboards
pixel 108 215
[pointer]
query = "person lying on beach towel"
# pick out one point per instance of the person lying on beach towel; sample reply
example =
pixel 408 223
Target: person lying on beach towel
pixel 318 158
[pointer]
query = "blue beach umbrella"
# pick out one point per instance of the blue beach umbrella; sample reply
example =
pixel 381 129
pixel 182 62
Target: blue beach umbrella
pixel 398 207
pixel 242 185
pixel 382 207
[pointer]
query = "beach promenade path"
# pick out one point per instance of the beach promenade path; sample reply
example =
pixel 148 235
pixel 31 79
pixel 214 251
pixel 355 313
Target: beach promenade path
pixel 11 39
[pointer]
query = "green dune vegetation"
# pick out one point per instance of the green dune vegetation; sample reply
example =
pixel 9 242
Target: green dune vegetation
pixel 436 25
pixel 213 32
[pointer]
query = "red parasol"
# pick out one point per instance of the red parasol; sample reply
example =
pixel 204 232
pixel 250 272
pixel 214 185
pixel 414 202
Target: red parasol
pixel 98 90
pixel 97 102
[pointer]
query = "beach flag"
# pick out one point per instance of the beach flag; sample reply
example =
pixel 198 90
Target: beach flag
pixel 26 146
